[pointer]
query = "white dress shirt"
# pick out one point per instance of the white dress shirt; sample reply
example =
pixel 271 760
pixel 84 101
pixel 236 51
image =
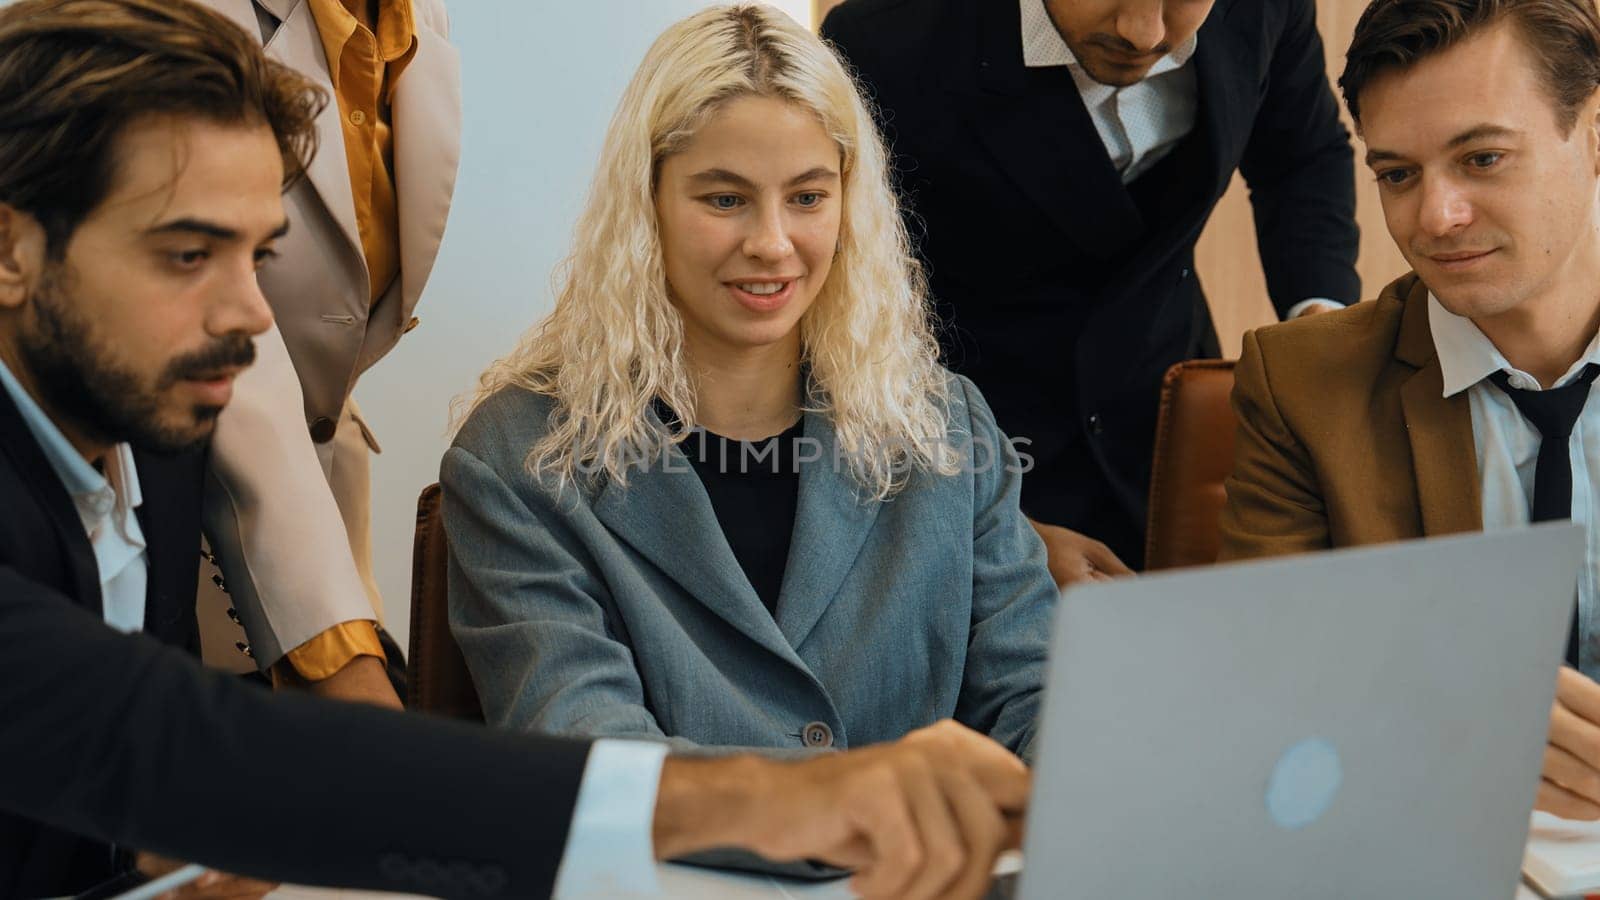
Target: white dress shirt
pixel 107 504
pixel 1141 123
pixel 1508 448
pixel 610 849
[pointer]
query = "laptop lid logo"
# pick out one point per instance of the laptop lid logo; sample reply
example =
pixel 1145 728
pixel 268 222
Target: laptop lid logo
pixel 1303 783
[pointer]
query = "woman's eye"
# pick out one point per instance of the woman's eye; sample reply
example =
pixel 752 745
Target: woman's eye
pixel 809 198
pixel 724 201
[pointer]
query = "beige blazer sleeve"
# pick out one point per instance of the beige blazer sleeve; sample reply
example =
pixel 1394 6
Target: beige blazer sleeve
pixel 1275 503
pixel 270 515
pixel 271 518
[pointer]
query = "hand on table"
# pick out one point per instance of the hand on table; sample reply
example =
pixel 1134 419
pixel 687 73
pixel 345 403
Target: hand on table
pixel 1570 784
pixel 1076 558
pixel 923 817
pixel 210 886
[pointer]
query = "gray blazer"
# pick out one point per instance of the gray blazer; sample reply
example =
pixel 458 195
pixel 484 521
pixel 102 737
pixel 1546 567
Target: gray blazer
pixel 622 612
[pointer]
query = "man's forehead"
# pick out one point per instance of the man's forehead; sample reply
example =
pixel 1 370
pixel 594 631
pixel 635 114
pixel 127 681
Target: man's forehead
pixel 165 169
pixel 1478 88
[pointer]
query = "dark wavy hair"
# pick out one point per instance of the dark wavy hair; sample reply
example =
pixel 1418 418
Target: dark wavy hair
pixel 75 73
pixel 1563 35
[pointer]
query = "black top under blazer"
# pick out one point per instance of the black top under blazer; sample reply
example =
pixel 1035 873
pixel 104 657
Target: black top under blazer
pixel 1062 293
pixel 112 737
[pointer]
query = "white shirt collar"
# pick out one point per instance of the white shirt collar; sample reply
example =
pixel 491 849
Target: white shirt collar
pixel 92 493
pixel 1043 45
pixel 1467 356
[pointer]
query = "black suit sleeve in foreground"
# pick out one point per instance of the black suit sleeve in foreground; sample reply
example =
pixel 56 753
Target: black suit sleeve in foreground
pixel 1300 169
pixel 127 740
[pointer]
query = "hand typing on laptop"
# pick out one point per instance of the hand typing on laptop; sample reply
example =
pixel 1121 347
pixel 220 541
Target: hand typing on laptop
pixel 1570 786
pixel 925 816
pixel 210 886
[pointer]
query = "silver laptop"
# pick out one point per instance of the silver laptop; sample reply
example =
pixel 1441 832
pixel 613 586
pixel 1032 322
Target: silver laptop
pixel 1359 723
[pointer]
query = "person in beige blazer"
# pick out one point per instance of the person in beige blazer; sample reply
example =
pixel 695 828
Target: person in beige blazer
pixel 288 512
pixel 1431 410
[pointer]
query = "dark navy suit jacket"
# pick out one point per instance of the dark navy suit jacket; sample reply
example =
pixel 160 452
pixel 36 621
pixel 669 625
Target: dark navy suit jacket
pixel 1062 293
pixel 107 737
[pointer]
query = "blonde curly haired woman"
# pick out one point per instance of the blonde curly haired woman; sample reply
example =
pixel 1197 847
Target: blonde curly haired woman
pixel 725 494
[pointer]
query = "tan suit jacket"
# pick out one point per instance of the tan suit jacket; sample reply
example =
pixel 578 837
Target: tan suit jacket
pixel 279 533
pixel 1345 436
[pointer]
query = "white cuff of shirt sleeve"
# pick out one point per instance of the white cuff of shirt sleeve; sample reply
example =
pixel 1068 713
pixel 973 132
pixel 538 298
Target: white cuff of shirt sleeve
pixel 610 852
pixel 1309 302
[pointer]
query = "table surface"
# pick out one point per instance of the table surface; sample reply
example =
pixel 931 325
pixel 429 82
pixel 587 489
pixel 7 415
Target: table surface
pixel 673 882
pixel 686 883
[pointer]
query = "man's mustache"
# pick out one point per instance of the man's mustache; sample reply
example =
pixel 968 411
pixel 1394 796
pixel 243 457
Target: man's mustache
pixel 1122 45
pixel 228 352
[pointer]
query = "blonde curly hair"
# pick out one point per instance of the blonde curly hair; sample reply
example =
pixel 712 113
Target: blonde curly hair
pixel 614 343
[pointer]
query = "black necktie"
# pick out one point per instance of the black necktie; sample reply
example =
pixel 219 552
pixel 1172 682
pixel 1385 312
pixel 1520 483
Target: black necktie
pixel 1553 413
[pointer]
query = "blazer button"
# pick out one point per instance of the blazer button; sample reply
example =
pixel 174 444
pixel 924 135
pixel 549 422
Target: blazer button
pixel 489 880
pixel 322 429
pixel 394 867
pixel 430 873
pixel 817 734
pixel 1096 425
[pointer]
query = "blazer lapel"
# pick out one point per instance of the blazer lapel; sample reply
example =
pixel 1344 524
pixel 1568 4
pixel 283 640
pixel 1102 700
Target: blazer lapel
pixel 158 610
pixel 1045 141
pixel 296 44
pixel 170 519
pixel 243 13
pixel 1443 452
pixel 427 150
pixel 831 524
pixel 279 9
pixel 665 515
pixel 33 469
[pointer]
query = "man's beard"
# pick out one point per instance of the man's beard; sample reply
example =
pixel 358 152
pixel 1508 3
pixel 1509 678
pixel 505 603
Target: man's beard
pixel 80 381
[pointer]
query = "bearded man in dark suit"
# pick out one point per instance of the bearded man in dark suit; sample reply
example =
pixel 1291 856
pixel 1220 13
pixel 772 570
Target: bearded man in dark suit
pixel 144 149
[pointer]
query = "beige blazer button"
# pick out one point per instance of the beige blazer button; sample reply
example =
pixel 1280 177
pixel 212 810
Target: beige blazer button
pixel 817 734
pixel 358 118
pixel 322 429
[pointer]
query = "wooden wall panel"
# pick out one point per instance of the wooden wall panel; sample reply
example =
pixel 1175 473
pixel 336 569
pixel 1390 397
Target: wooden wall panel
pixel 1226 258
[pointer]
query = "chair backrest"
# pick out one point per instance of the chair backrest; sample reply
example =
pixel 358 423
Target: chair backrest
pixel 1193 455
pixel 437 678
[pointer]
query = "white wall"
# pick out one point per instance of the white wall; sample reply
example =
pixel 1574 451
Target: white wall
pixel 539 81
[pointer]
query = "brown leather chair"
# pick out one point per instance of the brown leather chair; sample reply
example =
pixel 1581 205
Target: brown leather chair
pixel 1193 454
pixel 437 679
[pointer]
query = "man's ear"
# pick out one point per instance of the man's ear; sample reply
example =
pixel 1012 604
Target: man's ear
pixel 22 255
pixel 1593 110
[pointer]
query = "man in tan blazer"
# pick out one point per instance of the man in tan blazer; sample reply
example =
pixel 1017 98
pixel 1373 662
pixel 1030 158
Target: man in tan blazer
pixel 1346 436
pixel 365 228
pixel 1459 400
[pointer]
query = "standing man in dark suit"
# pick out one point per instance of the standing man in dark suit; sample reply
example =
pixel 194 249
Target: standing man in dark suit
pixel 144 147
pixel 1059 159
